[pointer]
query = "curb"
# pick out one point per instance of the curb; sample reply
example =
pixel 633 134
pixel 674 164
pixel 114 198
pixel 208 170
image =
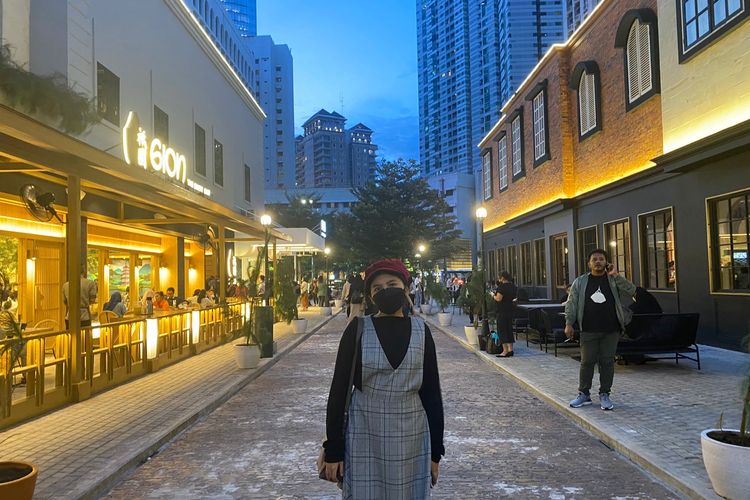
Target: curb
pixel 108 481
pixel 632 453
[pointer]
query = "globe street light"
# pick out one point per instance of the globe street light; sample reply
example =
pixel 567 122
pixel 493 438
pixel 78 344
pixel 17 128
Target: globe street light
pixel 481 214
pixel 421 248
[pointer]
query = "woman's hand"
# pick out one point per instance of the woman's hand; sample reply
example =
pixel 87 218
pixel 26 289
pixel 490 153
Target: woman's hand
pixel 334 471
pixel 434 472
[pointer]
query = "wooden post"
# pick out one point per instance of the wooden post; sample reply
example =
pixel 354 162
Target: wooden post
pixel 73 234
pixel 222 265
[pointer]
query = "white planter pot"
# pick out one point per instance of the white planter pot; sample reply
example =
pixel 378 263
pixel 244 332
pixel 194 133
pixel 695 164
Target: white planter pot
pixel 325 311
pixel 246 356
pixel 425 308
pixel 445 319
pixel 299 325
pixel 472 335
pixel 727 466
pixel 338 303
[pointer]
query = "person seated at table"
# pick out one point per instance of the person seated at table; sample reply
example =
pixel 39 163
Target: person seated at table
pixel 203 300
pixel 116 305
pixel 146 295
pixel 211 295
pixel 173 299
pixel 160 302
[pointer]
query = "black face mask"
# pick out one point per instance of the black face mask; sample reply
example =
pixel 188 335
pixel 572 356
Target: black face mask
pixel 389 300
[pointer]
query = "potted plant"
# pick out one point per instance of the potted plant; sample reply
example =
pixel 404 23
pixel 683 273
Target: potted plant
pixel 247 353
pixel 286 298
pixel 470 299
pixel 17 479
pixel 726 452
pixel 443 297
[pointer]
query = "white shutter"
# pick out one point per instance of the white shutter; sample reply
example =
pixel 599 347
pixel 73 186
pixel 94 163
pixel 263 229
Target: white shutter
pixel 638 49
pixel 487 176
pixel 587 102
pixel 502 156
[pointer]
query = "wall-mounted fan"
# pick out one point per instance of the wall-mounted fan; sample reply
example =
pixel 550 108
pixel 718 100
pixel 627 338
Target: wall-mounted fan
pixel 207 239
pixel 39 204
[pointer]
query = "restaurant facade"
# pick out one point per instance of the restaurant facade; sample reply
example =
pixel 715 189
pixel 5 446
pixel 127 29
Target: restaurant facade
pixel 154 193
pixel 633 137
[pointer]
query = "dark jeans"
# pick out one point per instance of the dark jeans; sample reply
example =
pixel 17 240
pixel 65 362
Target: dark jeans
pixel 597 348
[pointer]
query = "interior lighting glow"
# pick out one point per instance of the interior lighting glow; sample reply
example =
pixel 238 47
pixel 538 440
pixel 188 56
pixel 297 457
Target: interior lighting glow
pixel 96 333
pixel 195 326
pixel 152 337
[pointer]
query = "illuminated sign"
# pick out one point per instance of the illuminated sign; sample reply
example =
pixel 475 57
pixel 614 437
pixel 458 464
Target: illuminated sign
pixel 323 228
pixel 154 155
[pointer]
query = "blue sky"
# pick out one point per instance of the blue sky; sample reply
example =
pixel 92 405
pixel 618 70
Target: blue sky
pixel 363 50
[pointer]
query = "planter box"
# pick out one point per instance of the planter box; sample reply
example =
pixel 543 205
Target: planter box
pixel 445 319
pixel 246 356
pixel 264 330
pixel 338 303
pixel 325 311
pixel 727 465
pixel 425 308
pixel 21 488
pixel 299 326
pixel 472 335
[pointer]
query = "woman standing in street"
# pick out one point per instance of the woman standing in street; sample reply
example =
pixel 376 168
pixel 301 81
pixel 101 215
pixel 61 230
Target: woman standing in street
pixel 392 444
pixel 505 294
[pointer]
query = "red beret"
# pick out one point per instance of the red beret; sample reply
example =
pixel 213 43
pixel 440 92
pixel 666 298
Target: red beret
pixel 390 266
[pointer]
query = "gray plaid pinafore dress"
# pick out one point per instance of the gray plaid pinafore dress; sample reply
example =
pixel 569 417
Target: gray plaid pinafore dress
pixel 387 454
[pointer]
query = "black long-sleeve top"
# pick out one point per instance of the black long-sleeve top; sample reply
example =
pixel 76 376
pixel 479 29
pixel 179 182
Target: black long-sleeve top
pixel 394 334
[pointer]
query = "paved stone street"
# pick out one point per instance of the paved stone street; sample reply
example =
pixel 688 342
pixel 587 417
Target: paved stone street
pixel 500 440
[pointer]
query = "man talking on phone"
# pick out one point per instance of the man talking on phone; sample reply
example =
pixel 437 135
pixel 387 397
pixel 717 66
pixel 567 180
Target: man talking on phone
pixel 594 303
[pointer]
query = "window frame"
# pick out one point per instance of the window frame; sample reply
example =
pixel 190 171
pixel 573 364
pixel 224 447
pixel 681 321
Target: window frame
pixel 526 264
pixel 713 247
pixel 487 191
pixel 203 174
pixel 248 184
pixel 714 33
pixel 628 258
pixel 581 261
pixel 517 115
pixel 540 264
pixel 643 250
pixel 502 158
pixel 511 254
pixel 581 70
pixel 540 89
pixel 218 166
pixel 647 17
pixel 115 117
pixel 165 117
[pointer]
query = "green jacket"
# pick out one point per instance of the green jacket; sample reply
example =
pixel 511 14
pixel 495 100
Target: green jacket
pixel 577 298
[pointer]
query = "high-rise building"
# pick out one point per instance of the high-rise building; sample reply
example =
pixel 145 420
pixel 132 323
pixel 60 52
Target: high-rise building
pixel 244 15
pixel 468 68
pixel 274 84
pixel 361 153
pixel 576 11
pixel 329 155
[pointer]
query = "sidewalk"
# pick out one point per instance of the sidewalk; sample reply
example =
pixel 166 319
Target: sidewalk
pixel 660 408
pixel 83 449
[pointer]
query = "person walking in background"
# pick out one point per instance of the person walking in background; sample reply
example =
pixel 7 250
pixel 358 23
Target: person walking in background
pixel 322 292
pixel 345 292
pixel 594 303
pixel 392 445
pixel 304 299
pixel 89 291
pixel 504 295
pixel 356 296
pixel 314 292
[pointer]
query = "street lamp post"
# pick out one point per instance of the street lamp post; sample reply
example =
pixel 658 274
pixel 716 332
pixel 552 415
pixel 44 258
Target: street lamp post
pixel 481 214
pixel 327 252
pixel 265 220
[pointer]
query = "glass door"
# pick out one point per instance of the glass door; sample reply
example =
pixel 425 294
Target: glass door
pixel 559 265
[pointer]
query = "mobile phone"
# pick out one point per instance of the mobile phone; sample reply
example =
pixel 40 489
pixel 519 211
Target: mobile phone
pixel 609 268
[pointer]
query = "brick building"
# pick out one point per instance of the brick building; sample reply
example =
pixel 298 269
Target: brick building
pixel 593 151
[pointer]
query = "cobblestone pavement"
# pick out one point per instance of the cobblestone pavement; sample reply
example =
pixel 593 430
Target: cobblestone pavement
pixel 500 440
pixel 660 407
pixel 79 449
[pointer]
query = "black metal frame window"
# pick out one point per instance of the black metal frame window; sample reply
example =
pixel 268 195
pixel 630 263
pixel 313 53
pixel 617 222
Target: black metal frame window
pixel 516 143
pixel 107 94
pixel 218 163
pixel 527 278
pixel 617 236
pixel 702 21
pixel 658 264
pixel 491 265
pixel 512 261
pixel 540 261
pixel 588 240
pixel 502 264
pixel 502 161
pixel 248 184
pixel 729 222
pixel 487 175
pixel 200 150
pixel 161 125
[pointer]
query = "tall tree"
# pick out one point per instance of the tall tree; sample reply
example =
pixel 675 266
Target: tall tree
pixel 395 213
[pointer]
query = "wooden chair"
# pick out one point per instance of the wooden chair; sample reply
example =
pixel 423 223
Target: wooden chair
pixel 107 317
pixel 49 342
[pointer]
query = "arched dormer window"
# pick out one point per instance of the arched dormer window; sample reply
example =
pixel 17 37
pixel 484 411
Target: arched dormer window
pixel 637 35
pixel 585 79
